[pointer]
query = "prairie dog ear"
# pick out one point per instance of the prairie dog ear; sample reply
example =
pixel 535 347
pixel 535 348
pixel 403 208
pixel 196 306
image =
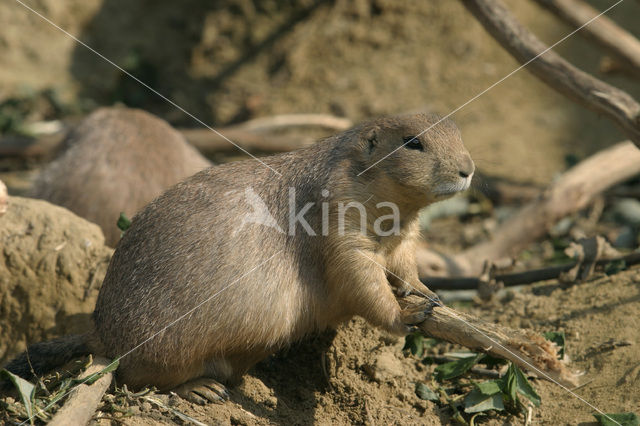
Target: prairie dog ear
pixel 371 137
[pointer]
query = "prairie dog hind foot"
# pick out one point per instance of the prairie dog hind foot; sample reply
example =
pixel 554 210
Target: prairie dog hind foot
pixel 201 390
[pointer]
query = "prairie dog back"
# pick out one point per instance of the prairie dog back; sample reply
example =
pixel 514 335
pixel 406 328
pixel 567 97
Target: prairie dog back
pixel 116 160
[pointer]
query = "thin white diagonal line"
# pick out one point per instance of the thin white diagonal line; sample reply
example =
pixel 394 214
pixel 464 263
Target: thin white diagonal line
pixel 172 323
pixel 533 367
pixel 77 40
pixel 496 83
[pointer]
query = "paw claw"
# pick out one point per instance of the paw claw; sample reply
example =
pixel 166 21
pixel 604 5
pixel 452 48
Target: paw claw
pixel 416 314
pixel 403 291
pixel 201 390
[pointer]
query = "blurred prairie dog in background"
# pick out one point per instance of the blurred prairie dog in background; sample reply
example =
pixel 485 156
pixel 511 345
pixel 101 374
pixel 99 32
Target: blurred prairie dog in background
pixel 116 160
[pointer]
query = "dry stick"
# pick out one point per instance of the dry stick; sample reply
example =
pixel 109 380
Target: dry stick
pixel 524 348
pixel 518 278
pixel 248 135
pixel 572 192
pixel 502 192
pixel 83 400
pixel 208 142
pixel 618 42
pixel 554 70
pixel 266 124
pixel 26 147
pixel 4 198
pixel 203 139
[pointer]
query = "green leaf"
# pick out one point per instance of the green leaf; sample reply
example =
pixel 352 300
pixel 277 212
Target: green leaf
pixel 491 361
pixel 456 368
pixel 96 376
pixel 623 419
pixel 571 160
pixel 614 267
pixel 123 222
pixel 477 401
pixel 424 392
pixel 508 385
pixel 489 387
pixel 26 389
pixel 524 387
pixel 556 337
pixel 430 342
pixel 428 360
pixel 414 343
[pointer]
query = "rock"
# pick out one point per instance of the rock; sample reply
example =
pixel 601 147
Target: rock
pixel 627 211
pixel 51 267
pixel 626 238
pixel 385 366
pixel 456 206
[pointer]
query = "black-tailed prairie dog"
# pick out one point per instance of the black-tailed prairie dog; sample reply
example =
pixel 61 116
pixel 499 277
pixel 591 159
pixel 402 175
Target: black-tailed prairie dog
pixel 116 160
pixel 236 262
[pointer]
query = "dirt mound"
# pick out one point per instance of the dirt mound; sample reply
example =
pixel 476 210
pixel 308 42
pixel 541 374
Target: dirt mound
pixel 51 268
pixel 361 375
pixel 599 319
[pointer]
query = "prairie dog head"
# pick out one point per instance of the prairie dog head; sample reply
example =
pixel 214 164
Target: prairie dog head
pixel 433 163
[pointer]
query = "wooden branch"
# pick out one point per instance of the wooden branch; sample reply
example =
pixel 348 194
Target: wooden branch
pixel 204 140
pixel 571 193
pixel 519 278
pixel 502 192
pixel 248 135
pixel 615 40
pixel 15 146
pixel 207 141
pixel 4 198
pixel 554 70
pixel 266 124
pixel 524 348
pixel 83 400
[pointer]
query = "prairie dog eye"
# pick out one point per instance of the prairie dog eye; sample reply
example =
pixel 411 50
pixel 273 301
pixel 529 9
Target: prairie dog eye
pixel 412 142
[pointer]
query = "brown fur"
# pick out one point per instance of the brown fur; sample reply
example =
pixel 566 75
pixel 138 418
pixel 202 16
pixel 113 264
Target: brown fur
pixel 116 160
pixel 191 243
pixel 190 247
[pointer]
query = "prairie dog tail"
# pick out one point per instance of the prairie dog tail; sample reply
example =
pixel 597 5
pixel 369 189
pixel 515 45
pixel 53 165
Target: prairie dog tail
pixel 45 356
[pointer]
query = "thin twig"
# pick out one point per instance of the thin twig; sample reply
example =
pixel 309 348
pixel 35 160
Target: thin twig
pixel 554 70
pixel 615 40
pixel 519 278
pixel 276 122
pixel 248 135
pixel 573 191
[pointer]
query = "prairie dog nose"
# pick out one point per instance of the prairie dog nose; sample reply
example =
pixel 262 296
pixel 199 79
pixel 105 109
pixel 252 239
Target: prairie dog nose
pixel 466 166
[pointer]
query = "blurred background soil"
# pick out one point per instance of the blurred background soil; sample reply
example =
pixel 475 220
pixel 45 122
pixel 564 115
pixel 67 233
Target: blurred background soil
pixel 228 61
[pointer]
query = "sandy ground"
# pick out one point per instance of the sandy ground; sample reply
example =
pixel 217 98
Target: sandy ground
pixel 236 60
pixel 363 377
